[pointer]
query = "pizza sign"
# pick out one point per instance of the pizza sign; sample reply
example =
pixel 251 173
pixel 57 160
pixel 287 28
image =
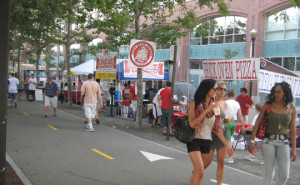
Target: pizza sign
pixel 142 53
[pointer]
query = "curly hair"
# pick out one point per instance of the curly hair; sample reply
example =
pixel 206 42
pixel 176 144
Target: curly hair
pixel 287 92
pixel 203 89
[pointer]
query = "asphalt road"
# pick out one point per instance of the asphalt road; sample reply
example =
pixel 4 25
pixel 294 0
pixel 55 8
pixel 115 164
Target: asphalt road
pixel 58 151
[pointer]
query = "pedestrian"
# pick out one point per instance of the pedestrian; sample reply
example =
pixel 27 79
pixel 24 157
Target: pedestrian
pixel 20 88
pixel 13 90
pixel 203 119
pixel 245 102
pixel 51 94
pixel 280 123
pixel 32 87
pixel 233 112
pixel 91 90
pixel 126 99
pixel 165 96
pixel 217 143
pixel 257 144
pixel 157 113
pixel 26 86
pixel 133 100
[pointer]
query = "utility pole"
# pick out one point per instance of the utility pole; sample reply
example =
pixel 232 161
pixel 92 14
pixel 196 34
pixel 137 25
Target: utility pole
pixel 4 26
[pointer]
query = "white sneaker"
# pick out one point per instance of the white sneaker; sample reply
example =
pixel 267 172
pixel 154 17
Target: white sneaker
pixel 249 157
pixel 262 162
pixel 90 130
pixel 229 161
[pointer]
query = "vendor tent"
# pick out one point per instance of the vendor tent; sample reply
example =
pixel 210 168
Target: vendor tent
pixel 84 68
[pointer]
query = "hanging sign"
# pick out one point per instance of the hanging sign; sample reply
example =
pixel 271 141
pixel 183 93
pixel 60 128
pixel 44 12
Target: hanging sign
pixel 156 72
pixel 141 53
pixel 268 79
pixel 232 69
pixel 106 67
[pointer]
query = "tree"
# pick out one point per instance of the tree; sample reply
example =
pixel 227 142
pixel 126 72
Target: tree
pixel 74 13
pixel 121 22
pixel 39 26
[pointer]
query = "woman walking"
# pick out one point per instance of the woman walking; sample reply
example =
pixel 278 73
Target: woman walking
pixel 20 88
pixel 280 122
pixel 202 118
pixel 216 141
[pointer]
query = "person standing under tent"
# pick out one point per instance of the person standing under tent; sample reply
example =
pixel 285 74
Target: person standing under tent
pixel 157 113
pixel 245 102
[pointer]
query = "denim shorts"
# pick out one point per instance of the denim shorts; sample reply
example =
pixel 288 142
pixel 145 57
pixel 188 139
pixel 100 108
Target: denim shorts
pixel 202 145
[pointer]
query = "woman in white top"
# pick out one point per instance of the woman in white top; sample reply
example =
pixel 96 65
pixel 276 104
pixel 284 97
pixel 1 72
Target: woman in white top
pixel 232 110
pixel 202 118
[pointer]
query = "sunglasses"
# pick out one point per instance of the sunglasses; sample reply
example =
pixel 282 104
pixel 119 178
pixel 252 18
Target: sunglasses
pixel 221 89
pixel 214 88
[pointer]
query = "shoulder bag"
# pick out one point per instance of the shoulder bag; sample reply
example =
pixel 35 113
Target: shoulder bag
pixel 261 132
pixel 183 132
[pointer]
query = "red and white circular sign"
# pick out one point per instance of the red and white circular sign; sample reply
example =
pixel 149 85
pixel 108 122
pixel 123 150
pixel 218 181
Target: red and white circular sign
pixel 141 54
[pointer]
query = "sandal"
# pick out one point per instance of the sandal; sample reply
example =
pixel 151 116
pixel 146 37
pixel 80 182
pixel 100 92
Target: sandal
pixel 54 115
pixel 45 116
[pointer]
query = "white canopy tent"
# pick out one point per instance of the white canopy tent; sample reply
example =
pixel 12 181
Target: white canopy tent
pixel 84 68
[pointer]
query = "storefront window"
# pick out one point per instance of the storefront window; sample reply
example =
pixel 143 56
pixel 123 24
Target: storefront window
pixel 283 25
pixel 289 63
pixel 220 30
pixel 298 64
pixel 277 61
pixel 194 66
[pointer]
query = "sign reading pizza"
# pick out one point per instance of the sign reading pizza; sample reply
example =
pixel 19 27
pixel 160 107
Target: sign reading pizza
pixel 106 67
pixel 141 53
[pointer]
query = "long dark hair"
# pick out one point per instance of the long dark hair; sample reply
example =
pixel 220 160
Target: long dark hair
pixel 203 89
pixel 287 92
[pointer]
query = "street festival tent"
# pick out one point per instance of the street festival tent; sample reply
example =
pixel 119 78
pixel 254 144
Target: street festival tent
pixel 84 68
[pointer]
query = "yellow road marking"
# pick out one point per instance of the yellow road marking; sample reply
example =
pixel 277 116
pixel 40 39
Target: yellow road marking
pixel 103 154
pixel 26 114
pixel 52 127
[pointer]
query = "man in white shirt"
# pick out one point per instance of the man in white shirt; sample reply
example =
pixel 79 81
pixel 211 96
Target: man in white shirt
pixel 13 90
pixel 156 109
pixel 32 86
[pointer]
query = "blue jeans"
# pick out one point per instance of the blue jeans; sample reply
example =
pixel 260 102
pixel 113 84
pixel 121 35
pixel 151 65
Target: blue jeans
pixel 280 151
pixel 165 117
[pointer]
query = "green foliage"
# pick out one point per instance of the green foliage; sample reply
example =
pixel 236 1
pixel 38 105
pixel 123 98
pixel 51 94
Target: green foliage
pixel 230 54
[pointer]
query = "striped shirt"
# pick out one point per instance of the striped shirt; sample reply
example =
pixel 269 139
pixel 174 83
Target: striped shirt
pixel 51 89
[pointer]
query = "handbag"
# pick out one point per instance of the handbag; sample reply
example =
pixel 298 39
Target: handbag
pixel 183 132
pixel 263 125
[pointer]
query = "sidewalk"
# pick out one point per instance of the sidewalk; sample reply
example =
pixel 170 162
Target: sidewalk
pixel 154 134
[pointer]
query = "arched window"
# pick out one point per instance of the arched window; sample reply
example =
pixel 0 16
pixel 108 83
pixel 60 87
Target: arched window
pixel 220 30
pixel 283 25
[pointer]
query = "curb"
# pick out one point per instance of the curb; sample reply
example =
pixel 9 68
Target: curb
pixel 18 171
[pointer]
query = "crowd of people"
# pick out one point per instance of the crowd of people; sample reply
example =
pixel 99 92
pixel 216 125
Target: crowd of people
pixel 213 114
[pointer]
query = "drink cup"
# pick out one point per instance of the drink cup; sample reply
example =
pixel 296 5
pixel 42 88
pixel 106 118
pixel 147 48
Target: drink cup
pixel 217 111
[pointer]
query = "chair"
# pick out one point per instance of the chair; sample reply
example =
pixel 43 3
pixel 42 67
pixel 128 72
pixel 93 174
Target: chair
pixel 243 138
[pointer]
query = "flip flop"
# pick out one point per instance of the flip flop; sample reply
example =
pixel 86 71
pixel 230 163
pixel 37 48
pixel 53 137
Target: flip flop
pixel 54 115
pixel 45 116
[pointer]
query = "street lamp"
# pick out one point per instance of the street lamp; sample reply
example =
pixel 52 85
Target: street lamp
pixel 253 34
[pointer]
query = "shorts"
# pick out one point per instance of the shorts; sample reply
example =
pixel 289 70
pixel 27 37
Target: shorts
pixel 133 105
pixel 90 110
pixel 12 96
pixel 257 145
pixel 216 142
pixel 202 145
pixel 156 109
pixel 51 101
pixel 20 90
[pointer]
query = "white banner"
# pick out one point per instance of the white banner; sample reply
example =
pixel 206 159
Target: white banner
pixel 141 53
pixel 268 79
pixel 232 69
pixel 106 64
pixel 157 71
